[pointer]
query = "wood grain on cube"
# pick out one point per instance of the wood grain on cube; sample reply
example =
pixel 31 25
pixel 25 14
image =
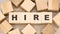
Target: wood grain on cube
pixel 5 27
pixel 46 17
pixel 28 30
pixel 6 7
pixel 41 4
pixel 27 5
pixel 56 19
pixel 21 19
pixel 1 16
pixel 53 5
pixel 48 30
pixel 15 31
pixel 16 2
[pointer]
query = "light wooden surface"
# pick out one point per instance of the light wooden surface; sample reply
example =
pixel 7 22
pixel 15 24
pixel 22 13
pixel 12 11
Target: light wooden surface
pixel 27 5
pixel 49 17
pixel 5 27
pixel 41 5
pixel 16 2
pixel 6 7
pixel 15 31
pixel 53 5
pixel 10 17
pixel 48 30
pixel 28 30
pixel 1 16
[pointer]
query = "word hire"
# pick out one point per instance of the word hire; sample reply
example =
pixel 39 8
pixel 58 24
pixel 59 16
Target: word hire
pixel 33 17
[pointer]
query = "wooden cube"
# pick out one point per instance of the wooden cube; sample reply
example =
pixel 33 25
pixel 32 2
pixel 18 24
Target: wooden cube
pixel 41 5
pixel 5 27
pixel 37 16
pixel 6 7
pixel 27 5
pixel 53 5
pixel 1 16
pixel 48 30
pixel 15 31
pixel 28 30
pixel 56 19
pixel 14 21
pixel 46 17
pixel 16 2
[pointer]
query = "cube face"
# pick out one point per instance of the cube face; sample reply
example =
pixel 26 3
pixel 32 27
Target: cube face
pixel 35 18
pixel 28 5
pixel 48 30
pixel 56 19
pixel 5 27
pixel 15 31
pixel 10 17
pixel 53 5
pixel 46 17
pixel 28 30
pixel 1 16
pixel 6 7
pixel 41 4
pixel 16 2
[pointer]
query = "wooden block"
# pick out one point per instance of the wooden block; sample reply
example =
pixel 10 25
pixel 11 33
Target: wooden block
pixel 58 31
pixel 6 7
pixel 46 17
pixel 1 16
pixel 37 20
pixel 41 4
pixel 16 2
pixel 48 30
pixel 5 27
pixel 28 5
pixel 14 21
pixel 53 5
pixel 15 31
pixel 56 19
pixel 28 30
pixel 30 18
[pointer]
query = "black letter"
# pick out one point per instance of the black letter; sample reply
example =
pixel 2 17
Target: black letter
pixel 14 16
pixel 24 17
pixel 46 17
pixel 36 17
